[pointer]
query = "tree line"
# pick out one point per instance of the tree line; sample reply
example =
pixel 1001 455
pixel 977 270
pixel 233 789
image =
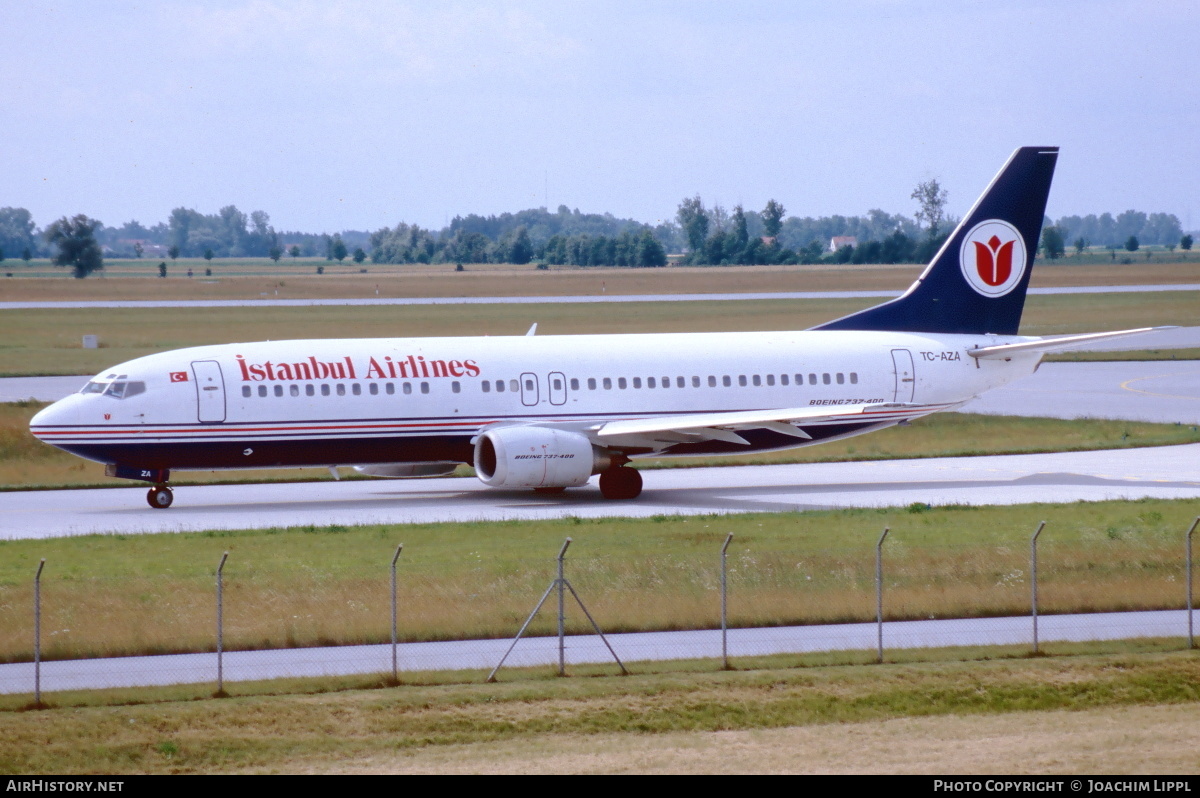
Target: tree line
pixel 698 234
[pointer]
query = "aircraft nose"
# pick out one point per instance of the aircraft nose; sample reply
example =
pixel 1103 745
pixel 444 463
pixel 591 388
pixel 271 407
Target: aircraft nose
pixel 46 420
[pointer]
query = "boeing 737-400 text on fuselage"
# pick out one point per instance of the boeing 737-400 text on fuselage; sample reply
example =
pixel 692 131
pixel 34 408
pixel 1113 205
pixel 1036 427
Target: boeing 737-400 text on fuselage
pixel 549 412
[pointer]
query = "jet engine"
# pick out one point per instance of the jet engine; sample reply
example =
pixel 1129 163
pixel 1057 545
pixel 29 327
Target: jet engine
pixel 537 457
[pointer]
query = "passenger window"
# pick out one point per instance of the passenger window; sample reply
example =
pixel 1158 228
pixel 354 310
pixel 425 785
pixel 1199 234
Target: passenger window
pixel 294 389
pixel 309 390
pixel 608 383
pixel 695 382
pixel 341 389
pixel 854 378
pixel 770 379
pixel 727 381
pixel 407 388
pixel 325 389
pixel 556 384
pixel 812 379
pixel 742 380
pixel 825 378
pixel 783 379
pixel 499 386
pixel 356 389
pixel 650 383
pixel 456 387
pixel 279 390
pixel 424 387
pixel 637 382
pixel 514 386
pixel 487 387
pixel 529 386
pixel 574 384
pixel 712 381
pixel 390 389
pixel 373 389
pixel 757 380
pixel 622 383
pixel 591 383
pixel 246 390
pixel 262 390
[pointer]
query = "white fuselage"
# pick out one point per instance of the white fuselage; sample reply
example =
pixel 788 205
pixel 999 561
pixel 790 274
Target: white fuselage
pixel 413 400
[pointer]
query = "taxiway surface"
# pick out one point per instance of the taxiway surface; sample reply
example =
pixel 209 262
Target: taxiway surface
pixel 483 655
pixel 1162 472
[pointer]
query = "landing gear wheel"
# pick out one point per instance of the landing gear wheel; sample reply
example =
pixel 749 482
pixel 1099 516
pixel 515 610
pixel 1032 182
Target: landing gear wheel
pixel 551 489
pixel 160 497
pixel 621 483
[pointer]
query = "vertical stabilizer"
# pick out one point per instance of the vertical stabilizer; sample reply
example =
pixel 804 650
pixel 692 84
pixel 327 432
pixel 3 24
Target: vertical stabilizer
pixel 977 281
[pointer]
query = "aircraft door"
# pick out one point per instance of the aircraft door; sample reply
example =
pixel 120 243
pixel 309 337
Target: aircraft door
pixel 557 384
pixel 529 389
pixel 210 391
pixel 905 375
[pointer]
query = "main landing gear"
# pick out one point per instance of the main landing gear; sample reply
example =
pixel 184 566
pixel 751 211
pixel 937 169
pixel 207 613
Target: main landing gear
pixel 160 497
pixel 620 483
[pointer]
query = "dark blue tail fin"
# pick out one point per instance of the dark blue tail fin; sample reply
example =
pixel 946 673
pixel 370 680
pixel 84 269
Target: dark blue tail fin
pixel 976 283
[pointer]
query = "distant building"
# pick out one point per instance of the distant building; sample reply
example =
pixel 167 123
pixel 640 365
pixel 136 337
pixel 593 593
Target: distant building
pixel 837 242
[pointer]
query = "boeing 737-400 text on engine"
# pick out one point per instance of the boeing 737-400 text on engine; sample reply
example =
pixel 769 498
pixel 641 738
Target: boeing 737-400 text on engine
pixel 549 412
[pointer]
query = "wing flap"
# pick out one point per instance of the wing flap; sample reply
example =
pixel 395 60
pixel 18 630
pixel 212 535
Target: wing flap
pixel 721 426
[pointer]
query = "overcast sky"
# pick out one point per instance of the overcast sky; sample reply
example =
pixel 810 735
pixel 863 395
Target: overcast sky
pixel 337 115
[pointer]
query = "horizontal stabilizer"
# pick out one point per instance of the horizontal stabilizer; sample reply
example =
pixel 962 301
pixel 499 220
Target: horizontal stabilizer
pixel 1054 344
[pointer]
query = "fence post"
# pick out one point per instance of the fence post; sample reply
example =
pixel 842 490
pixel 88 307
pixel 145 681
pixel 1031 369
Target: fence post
pixel 879 590
pixel 221 625
pixel 1191 638
pixel 37 634
pixel 394 558
pixel 562 611
pixel 724 606
pixel 1033 582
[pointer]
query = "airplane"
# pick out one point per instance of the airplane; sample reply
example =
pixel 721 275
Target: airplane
pixel 550 412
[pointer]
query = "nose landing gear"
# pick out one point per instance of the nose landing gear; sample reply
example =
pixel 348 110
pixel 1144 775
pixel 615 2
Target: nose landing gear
pixel 160 497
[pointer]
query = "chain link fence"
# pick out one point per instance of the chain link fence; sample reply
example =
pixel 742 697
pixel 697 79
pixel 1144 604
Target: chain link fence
pixel 70 629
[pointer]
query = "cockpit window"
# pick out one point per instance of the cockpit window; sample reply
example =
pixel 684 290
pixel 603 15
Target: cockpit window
pixel 114 386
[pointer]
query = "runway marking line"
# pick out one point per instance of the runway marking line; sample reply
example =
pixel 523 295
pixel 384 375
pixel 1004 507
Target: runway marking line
pixel 1125 385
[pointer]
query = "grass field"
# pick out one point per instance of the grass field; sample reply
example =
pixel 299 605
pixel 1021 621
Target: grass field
pixel 115 595
pixel 44 342
pixel 258 278
pixel 1132 712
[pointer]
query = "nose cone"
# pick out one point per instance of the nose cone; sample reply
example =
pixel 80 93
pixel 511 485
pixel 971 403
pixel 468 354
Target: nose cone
pixel 49 423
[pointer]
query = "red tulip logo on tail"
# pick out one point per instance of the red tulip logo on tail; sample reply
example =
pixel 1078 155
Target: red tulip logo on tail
pixel 993 257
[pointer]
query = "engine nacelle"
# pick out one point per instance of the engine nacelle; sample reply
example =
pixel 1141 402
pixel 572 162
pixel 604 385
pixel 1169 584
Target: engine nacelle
pixel 536 457
pixel 407 470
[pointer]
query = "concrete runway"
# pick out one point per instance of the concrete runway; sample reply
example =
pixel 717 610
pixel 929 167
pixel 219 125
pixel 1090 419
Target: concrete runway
pixel 1163 472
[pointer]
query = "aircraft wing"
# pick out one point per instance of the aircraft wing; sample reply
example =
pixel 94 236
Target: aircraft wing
pixel 724 426
pixel 1052 344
